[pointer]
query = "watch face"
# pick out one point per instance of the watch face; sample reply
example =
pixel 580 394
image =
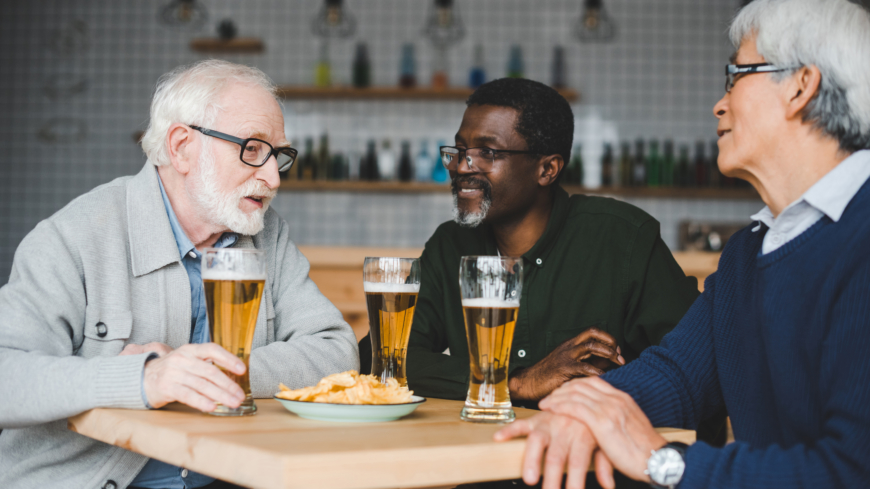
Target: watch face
pixel 666 467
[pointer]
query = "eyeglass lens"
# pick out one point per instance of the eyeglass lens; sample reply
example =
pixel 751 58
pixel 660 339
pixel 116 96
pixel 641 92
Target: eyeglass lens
pixel 476 158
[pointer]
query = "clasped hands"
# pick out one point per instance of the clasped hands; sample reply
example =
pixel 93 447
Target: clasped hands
pixel 585 419
pixel 190 375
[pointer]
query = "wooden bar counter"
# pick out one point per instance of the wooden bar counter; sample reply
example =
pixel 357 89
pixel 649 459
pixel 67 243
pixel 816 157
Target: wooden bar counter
pixel 277 449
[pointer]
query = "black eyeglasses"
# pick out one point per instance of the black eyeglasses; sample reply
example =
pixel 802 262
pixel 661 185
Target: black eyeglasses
pixel 733 72
pixel 256 152
pixel 478 159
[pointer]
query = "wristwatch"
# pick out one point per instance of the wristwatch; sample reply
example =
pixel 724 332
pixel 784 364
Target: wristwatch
pixel 666 465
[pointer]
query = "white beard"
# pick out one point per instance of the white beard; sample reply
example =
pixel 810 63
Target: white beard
pixel 223 209
pixel 470 219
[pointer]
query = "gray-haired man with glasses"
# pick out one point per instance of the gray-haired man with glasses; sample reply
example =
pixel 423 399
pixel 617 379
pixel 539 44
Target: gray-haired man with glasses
pixel 105 304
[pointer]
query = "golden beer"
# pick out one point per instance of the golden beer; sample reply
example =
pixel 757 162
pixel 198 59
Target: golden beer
pixel 489 326
pixel 391 312
pixel 234 280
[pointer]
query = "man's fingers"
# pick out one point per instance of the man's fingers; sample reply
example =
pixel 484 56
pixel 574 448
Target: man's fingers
pixel 513 430
pixel 586 349
pixel 604 470
pixel 212 374
pixel 535 445
pixel 583 369
pixel 598 335
pixel 230 398
pixel 190 397
pixel 213 352
pixel 131 349
pixel 554 463
pixel 578 461
pixel 159 348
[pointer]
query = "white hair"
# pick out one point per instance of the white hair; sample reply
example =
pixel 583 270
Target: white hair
pixel 190 95
pixel 470 219
pixel 834 36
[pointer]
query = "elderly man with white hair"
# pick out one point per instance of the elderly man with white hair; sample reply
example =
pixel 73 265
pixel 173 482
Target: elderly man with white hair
pixel 781 334
pixel 105 304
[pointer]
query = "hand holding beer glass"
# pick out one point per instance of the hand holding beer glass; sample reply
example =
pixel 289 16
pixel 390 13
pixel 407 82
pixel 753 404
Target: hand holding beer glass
pixel 491 288
pixel 391 286
pixel 234 280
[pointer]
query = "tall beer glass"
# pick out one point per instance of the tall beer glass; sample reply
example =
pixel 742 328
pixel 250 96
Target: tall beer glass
pixel 391 286
pixel 234 280
pixel 491 288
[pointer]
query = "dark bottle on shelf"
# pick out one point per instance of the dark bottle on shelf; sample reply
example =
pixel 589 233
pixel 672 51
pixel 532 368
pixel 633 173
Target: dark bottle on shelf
pixel 668 165
pixel 607 166
pixel 406 166
pixel 362 67
pixel 681 172
pixel 700 166
pixel 625 164
pixel 339 168
pixel 654 165
pixel 368 168
pixel 713 175
pixel 574 171
pixel 559 78
pixel 477 75
pixel 407 67
pixel 515 66
pixel 305 170
pixel 322 170
pixel 639 166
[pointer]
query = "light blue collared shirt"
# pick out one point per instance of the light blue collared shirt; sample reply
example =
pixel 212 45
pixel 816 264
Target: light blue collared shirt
pixel 827 197
pixel 156 474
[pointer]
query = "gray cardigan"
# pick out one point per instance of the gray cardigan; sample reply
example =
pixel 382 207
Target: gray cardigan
pixel 110 257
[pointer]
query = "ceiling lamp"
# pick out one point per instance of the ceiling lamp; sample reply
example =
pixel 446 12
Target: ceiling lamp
pixel 334 21
pixel 594 25
pixel 444 27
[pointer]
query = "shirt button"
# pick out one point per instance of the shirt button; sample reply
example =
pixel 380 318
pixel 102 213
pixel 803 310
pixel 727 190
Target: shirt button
pixel 521 353
pixel 184 473
pixel 539 261
pixel 777 239
pixel 192 254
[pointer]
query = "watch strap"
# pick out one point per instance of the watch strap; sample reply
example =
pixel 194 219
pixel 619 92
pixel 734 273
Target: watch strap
pixel 680 448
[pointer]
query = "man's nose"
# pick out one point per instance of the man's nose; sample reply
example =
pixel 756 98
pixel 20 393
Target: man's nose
pixel 268 173
pixel 464 166
pixel 721 107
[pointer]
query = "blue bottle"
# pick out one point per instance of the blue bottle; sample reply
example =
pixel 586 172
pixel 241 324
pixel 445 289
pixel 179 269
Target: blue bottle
pixel 423 164
pixel 477 76
pixel 439 173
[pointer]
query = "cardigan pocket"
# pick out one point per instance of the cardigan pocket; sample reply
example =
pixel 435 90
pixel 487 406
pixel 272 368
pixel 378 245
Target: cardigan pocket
pixel 106 332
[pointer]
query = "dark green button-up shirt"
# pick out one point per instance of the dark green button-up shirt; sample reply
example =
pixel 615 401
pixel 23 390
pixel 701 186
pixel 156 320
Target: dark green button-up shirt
pixel 600 262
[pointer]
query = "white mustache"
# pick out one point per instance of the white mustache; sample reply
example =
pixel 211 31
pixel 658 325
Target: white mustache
pixel 256 188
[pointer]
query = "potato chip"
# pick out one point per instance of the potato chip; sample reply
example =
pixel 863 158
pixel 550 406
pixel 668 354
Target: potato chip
pixel 349 388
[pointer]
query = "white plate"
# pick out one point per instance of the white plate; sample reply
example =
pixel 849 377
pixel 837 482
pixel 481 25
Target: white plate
pixel 351 413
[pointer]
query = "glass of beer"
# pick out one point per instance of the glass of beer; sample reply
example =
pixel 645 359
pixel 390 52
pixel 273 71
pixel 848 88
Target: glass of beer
pixel 491 288
pixel 234 280
pixel 391 286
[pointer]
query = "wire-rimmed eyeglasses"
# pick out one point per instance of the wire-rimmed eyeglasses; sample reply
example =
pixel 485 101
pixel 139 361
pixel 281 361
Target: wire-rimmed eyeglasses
pixel 478 159
pixel 256 152
pixel 734 72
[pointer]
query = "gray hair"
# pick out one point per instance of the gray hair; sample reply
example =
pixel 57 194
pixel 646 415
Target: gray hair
pixel 834 36
pixel 190 95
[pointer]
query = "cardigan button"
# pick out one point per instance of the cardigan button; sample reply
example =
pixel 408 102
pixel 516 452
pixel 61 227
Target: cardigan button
pixel 102 330
pixel 110 484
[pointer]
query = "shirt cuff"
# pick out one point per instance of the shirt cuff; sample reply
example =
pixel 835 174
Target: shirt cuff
pixel 151 356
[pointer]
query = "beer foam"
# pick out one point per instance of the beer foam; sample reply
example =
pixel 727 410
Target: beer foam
pixel 490 303
pixel 391 288
pixel 230 275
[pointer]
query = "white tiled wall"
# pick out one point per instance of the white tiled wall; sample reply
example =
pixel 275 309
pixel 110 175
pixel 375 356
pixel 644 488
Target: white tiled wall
pixel 658 79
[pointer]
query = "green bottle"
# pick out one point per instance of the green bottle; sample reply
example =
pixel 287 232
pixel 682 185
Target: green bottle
pixel 323 170
pixel 305 168
pixel 574 171
pixel 682 178
pixel 668 164
pixel 654 165
pixel 625 164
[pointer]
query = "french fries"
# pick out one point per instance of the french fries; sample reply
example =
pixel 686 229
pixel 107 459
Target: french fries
pixel 349 388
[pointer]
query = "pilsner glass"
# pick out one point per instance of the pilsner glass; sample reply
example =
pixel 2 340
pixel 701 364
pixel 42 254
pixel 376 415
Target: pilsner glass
pixel 391 286
pixel 234 280
pixel 491 288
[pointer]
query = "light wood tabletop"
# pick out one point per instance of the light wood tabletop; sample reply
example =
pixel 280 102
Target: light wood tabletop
pixel 277 449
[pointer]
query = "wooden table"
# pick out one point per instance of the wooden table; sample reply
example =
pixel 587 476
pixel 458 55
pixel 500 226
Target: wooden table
pixel 277 449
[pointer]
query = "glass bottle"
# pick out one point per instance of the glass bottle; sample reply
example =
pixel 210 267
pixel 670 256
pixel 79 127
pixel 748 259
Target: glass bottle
pixel 639 170
pixel 681 173
pixel 362 76
pixel 323 71
pixel 440 79
pixel 713 173
pixel 406 166
pixel 322 170
pixel 515 66
pixel 368 167
pixel 423 165
pixel 625 164
pixel 574 171
pixel 407 67
pixel 305 170
pixel 559 78
pixel 477 76
pixel 607 166
pixel 668 165
pixel 439 173
pixel 700 165
pixel 387 160
pixel 339 168
pixel 653 165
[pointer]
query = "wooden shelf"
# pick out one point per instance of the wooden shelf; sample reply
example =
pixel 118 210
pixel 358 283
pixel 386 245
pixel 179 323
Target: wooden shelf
pixel 238 45
pixel 415 187
pixel 389 93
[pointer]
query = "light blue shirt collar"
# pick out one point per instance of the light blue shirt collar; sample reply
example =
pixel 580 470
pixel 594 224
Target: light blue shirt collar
pixel 185 245
pixel 832 193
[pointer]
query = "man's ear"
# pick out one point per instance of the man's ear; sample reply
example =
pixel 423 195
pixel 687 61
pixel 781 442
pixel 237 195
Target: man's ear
pixel 802 88
pixel 549 168
pixel 182 145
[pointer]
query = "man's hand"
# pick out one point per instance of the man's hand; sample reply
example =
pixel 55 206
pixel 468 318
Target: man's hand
pixel 190 375
pixel 620 427
pixel 133 349
pixel 565 441
pixel 587 354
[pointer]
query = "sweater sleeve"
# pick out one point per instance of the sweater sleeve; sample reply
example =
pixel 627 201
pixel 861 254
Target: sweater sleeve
pixel 840 457
pixel 312 340
pixel 676 383
pixel 430 371
pixel 658 292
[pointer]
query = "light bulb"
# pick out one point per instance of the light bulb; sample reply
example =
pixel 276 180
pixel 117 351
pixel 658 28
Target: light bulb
pixel 594 24
pixel 334 21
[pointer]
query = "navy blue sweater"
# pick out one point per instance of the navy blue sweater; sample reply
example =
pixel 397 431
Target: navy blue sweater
pixel 783 341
